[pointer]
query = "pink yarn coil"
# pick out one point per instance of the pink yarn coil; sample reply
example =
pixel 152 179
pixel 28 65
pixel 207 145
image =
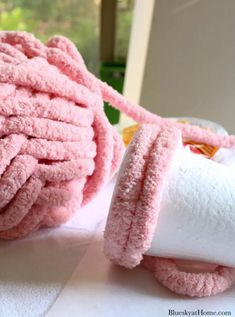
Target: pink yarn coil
pixel 57 147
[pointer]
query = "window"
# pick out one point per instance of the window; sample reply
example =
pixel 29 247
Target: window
pixel 76 19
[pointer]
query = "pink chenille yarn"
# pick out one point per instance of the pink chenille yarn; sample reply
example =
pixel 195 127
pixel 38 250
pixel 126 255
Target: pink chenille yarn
pixel 57 147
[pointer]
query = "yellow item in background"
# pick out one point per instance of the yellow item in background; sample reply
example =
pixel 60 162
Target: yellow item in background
pixel 128 133
pixel 198 148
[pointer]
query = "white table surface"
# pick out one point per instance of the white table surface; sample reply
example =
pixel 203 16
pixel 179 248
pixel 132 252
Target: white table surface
pixel 98 288
pixel 63 272
pixel 35 269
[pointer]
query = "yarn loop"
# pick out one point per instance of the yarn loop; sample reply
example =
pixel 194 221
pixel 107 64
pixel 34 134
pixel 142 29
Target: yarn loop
pixel 57 148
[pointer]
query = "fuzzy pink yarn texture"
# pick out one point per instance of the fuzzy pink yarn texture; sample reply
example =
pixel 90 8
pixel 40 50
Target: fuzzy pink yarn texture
pixel 194 284
pixel 57 148
pixel 135 209
pixel 137 195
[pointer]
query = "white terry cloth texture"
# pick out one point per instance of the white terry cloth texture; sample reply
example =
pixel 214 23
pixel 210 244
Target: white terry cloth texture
pixel 197 211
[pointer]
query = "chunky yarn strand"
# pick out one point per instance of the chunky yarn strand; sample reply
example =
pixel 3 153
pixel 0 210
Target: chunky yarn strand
pixel 57 147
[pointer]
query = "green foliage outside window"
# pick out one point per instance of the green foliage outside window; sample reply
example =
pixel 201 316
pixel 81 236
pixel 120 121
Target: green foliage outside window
pixel 76 19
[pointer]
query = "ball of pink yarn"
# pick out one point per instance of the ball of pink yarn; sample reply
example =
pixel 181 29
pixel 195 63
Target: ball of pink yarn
pixel 56 146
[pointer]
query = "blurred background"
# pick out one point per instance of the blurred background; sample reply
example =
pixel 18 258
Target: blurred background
pixel 100 30
pixel 77 19
pixel 174 57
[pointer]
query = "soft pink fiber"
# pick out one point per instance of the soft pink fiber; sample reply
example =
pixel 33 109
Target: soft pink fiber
pixel 134 212
pixel 137 195
pixel 192 284
pixel 56 146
